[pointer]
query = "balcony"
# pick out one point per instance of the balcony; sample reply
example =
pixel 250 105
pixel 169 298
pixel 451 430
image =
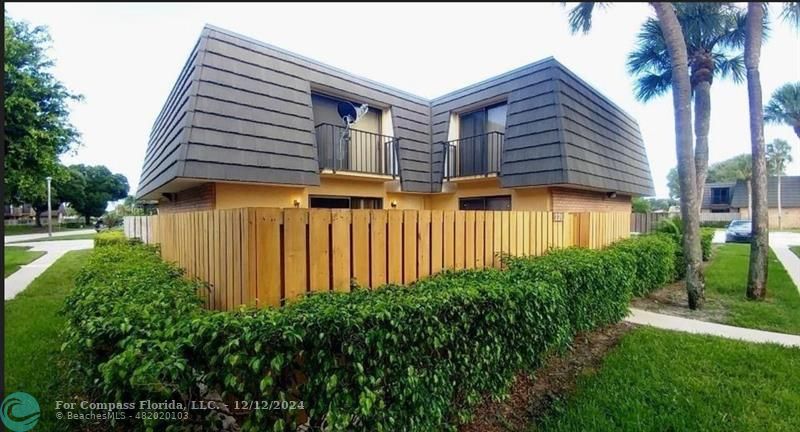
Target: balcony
pixel 357 152
pixel 478 155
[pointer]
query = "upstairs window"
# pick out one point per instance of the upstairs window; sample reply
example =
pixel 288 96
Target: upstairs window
pixel 720 196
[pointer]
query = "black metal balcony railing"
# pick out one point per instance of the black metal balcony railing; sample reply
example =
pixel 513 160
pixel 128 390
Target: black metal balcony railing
pixel 472 156
pixel 356 150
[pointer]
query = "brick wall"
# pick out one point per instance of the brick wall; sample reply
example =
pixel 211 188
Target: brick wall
pixel 201 197
pixel 577 200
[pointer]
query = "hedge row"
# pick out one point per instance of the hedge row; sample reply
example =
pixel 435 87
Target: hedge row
pixel 396 358
pixel 106 238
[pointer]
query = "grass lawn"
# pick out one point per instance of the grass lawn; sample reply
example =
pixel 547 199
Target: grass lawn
pixel 32 337
pixel 796 250
pixel 33 229
pixel 726 280
pixel 658 380
pixel 64 237
pixel 16 257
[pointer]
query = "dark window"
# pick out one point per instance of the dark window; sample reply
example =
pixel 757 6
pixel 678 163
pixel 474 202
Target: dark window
pixel 720 210
pixel 720 196
pixel 345 202
pixel 485 203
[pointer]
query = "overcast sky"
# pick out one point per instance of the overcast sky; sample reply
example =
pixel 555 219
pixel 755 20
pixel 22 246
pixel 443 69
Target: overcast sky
pixel 124 58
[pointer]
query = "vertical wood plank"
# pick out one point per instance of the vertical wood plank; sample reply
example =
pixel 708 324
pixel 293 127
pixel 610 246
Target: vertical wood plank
pixel 424 244
pixel 497 242
pixel 506 232
pixel 361 247
pixel 480 251
pixel 488 239
pixel 512 233
pixel 378 248
pixel 268 250
pixel 340 225
pixel 469 239
pixel 409 246
pixel 237 257
pixel 449 239
pixel 319 221
pixel 437 241
pixel 395 251
pixel 252 256
pixel 459 239
pixel 294 253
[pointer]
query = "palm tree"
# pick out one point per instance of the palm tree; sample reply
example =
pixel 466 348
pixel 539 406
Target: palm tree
pixel 580 19
pixel 757 275
pixel 759 247
pixel 711 32
pixel 779 153
pixel 784 107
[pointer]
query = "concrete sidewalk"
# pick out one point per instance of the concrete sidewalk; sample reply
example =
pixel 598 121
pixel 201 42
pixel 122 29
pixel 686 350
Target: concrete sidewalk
pixel 29 237
pixel 780 242
pixel 669 322
pixel 23 277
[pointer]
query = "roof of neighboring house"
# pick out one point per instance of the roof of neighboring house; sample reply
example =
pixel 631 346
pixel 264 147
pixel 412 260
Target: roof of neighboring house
pixel 790 192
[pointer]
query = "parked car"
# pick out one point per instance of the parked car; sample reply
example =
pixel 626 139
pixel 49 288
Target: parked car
pixel 99 225
pixel 739 231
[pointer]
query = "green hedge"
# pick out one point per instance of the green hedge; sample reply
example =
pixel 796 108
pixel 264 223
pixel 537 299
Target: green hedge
pixel 106 238
pixel 396 358
pixel 125 318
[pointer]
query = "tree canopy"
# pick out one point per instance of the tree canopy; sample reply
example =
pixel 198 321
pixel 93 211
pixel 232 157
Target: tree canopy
pixel 37 126
pixel 89 189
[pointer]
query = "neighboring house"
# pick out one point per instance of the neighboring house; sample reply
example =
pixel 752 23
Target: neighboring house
pixel 732 198
pixel 18 214
pixel 59 214
pixel 249 124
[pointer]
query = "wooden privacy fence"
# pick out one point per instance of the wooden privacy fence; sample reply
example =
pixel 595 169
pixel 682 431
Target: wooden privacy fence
pixel 646 222
pixel 263 256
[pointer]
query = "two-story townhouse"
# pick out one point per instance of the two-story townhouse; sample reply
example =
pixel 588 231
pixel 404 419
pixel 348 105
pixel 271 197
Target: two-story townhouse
pixel 249 124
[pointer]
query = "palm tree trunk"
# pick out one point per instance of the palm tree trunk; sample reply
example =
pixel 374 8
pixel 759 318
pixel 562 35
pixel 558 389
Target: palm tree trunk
pixel 780 224
pixel 759 247
pixel 682 104
pixel 702 116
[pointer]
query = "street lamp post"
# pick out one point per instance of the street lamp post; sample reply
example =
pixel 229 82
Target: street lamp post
pixel 49 210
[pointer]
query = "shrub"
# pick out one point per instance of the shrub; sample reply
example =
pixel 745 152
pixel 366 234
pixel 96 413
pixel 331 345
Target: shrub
pixel 395 358
pixel 655 257
pixel 106 238
pixel 124 323
pixel 598 284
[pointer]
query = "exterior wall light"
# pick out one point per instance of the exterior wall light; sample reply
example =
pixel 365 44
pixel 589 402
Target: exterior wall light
pixel 394 203
pixel 296 203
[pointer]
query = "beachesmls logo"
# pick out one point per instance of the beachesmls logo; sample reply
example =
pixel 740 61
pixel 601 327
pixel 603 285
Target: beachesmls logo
pixel 20 412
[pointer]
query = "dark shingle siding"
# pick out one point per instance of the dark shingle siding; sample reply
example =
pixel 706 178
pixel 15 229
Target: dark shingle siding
pixel 241 110
pixel 790 192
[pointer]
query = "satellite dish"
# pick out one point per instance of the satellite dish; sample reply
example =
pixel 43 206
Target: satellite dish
pixel 350 113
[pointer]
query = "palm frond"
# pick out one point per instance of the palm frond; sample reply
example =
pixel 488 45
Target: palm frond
pixel 649 86
pixel 784 105
pixel 732 67
pixel 791 14
pixel 580 16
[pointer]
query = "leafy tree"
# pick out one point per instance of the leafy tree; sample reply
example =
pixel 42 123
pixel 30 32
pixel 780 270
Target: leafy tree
pixel 779 153
pixel 100 187
pixel 580 19
pixel 713 33
pixel 37 127
pixel 784 107
pixel 673 184
pixel 640 205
